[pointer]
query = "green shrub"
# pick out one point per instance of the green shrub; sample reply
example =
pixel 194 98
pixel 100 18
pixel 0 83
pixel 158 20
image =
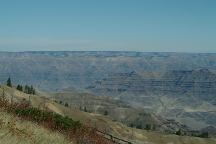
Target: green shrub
pixel 204 135
pixel 59 121
pixel 148 127
pixel 179 132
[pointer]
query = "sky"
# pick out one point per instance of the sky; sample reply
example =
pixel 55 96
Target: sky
pixel 108 25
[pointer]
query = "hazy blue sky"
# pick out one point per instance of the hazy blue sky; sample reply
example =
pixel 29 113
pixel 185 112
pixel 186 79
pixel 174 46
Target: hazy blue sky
pixel 134 25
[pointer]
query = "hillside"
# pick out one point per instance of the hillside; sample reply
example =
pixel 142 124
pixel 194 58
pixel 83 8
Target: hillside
pixel 116 110
pixel 103 122
pixel 13 130
pixel 160 83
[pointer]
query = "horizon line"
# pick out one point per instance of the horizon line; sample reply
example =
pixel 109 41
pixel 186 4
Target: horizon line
pixel 117 51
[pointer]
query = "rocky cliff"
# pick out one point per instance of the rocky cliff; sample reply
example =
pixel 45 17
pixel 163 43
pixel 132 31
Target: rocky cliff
pixel 185 95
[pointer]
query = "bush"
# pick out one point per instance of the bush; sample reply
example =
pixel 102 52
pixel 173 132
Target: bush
pixel 148 127
pixel 139 126
pixel 85 109
pixel 19 87
pixel 66 104
pixel 105 112
pixel 179 132
pixel 204 135
pixel 58 121
pixel 65 125
pixel 9 82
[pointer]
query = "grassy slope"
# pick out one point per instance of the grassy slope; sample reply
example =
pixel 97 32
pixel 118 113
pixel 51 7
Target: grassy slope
pixel 102 122
pixel 15 131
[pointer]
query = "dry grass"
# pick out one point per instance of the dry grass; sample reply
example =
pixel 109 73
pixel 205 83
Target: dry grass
pixel 72 130
pixel 101 122
pixel 15 131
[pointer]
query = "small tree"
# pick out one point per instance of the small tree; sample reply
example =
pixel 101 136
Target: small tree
pixel 139 126
pixel 179 132
pixel 9 82
pixel 204 135
pixel 85 109
pixel 26 89
pixel 148 127
pixel 153 127
pixel 131 125
pixel 19 87
pixel 105 112
pixel 66 104
pixel 31 90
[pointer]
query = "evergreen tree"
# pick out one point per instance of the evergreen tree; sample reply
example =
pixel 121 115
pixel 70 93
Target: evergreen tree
pixel 19 87
pixel 154 127
pixel 9 82
pixel 139 126
pixel 66 104
pixel 85 109
pixel 179 132
pixel 31 90
pixel 105 112
pixel 131 125
pixel 204 135
pixel 26 89
pixel 148 127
